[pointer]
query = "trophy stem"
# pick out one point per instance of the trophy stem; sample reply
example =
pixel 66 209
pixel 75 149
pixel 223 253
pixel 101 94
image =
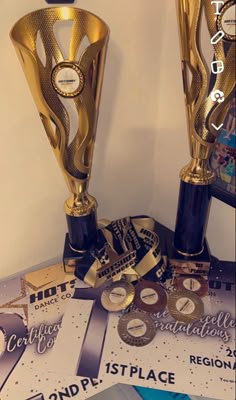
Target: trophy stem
pixel 198 172
pixel 82 231
pixel 81 220
pixel 191 221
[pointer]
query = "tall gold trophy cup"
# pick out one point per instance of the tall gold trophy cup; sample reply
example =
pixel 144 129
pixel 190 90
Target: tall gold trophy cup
pixel 208 91
pixel 66 87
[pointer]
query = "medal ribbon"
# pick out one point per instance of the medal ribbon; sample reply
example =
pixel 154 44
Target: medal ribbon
pixel 127 246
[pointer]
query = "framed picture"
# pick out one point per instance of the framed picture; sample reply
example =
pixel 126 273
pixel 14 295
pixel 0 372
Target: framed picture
pixel 223 159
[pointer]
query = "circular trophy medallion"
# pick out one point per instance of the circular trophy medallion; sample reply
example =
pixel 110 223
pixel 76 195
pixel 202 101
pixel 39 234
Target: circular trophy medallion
pixel 150 296
pixel 67 79
pixel 195 284
pixel 136 329
pixel 117 296
pixel 185 306
pixel 226 21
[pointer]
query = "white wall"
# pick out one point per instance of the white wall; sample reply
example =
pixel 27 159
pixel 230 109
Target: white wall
pixel 141 137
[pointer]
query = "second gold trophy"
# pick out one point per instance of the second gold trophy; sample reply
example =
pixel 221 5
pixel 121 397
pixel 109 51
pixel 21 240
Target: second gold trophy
pixel 208 93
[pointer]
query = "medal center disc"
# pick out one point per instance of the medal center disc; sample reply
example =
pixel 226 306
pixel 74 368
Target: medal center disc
pixel 185 305
pixel 117 295
pixel 149 296
pixel 191 284
pixel 228 21
pixel 136 327
pixel 67 79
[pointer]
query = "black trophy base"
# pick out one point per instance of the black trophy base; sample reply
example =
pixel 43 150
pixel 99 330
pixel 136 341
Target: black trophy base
pixel 194 265
pixel 176 263
pixel 60 1
pixel 82 231
pixel 191 220
pixel 71 258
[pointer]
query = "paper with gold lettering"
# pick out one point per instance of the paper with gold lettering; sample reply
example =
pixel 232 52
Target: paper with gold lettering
pixel 194 358
pixel 31 310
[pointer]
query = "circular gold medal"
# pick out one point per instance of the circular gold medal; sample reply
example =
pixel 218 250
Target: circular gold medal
pixel 185 306
pixel 67 79
pixel 136 328
pixel 150 296
pixel 226 21
pixel 117 296
pixel 195 284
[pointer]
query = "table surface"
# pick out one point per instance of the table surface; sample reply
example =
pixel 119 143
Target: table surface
pixel 126 392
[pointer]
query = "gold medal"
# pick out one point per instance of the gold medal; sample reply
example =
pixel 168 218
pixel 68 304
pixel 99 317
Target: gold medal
pixel 150 296
pixel 195 284
pixel 185 306
pixel 117 296
pixel 136 328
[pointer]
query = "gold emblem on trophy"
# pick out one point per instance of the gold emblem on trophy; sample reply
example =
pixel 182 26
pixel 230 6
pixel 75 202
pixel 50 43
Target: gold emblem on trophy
pixel 66 87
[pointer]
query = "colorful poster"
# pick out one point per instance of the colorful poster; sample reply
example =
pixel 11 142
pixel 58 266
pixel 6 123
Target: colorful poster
pixel 31 310
pixel 195 357
pixel 223 158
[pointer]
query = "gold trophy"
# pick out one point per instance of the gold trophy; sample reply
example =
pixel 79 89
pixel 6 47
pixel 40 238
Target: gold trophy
pixel 66 87
pixel 208 91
